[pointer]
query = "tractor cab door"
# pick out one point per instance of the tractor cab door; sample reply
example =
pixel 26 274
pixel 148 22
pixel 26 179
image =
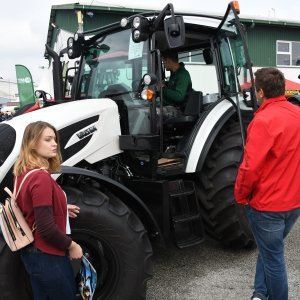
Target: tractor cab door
pixel 235 68
pixel 236 76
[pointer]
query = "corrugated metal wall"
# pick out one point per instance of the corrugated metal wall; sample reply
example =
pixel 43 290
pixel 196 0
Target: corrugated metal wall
pixel 67 19
pixel 261 37
pixel 262 42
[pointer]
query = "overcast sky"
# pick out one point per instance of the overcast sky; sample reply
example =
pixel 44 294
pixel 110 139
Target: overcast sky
pixel 24 24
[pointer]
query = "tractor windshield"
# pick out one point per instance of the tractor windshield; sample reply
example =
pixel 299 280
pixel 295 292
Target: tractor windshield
pixel 113 65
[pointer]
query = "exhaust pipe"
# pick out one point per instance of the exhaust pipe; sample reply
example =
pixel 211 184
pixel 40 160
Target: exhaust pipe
pixel 57 75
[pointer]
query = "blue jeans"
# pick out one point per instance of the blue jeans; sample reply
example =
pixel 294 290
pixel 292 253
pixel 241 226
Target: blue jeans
pixel 269 230
pixel 51 276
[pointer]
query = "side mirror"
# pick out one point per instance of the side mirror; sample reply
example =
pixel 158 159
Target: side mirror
pixel 43 98
pixel 175 31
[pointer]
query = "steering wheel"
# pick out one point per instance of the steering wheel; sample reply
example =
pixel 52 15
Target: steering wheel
pixel 116 89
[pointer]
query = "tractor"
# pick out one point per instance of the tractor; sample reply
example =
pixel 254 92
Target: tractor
pixel 139 178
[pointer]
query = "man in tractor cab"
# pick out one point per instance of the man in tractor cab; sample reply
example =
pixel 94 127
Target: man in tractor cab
pixel 176 89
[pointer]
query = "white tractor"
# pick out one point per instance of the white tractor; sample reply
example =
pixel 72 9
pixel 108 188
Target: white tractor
pixel 138 177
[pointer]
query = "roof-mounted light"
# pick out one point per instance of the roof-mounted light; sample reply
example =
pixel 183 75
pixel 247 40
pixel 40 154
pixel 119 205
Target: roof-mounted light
pixel 79 38
pixel 70 42
pixel 75 45
pixel 124 22
pixel 236 6
pixel 136 35
pixel 136 22
pixel 140 29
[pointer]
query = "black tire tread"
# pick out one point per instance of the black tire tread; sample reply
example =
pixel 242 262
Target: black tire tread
pixel 114 206
pixel 223 219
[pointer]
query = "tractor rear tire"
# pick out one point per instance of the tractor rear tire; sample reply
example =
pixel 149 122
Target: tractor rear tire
pixel 223 219
pixel 114 240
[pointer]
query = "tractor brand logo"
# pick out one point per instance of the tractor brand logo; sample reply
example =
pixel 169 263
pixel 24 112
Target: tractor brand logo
pixel 24 80
pixel 84 133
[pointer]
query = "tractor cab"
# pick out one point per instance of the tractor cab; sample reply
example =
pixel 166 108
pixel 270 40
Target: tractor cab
pixel 124 63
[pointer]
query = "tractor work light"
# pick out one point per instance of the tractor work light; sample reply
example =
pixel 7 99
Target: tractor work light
pixel 140 29
pixel 70 42
pixel 136 35
pixel 74 45
pixel 79 38
pixel 124 22
pixel 136 22
pixel 70 52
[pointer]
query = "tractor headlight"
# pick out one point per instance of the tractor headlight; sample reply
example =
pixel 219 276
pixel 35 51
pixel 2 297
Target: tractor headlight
pixel 136 22
pixel 149 79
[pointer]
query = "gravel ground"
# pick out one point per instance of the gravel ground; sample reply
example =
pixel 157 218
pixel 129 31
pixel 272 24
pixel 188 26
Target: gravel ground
pixel 210 271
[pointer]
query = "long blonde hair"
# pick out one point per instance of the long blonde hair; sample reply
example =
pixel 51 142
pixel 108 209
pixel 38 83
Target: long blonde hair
pixel 28 157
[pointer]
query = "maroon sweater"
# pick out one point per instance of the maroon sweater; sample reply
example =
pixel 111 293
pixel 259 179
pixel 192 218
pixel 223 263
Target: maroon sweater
pixel 44 204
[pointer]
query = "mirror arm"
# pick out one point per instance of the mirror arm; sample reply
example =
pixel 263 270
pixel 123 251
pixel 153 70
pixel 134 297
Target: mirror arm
pixel 160 18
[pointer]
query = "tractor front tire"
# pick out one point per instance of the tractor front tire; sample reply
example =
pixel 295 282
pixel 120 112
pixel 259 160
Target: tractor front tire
pixel 114 240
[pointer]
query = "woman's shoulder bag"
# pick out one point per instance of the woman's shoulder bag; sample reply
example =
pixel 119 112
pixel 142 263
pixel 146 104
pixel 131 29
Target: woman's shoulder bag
pixel 14 227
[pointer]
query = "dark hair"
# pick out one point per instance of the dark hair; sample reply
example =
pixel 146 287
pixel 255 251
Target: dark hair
pixel 271 81
pixel 171 54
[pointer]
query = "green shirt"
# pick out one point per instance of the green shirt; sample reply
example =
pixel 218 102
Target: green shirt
pixel 178 86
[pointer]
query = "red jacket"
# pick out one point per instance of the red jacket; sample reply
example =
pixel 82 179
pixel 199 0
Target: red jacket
pixel 269 176
pixel 40 189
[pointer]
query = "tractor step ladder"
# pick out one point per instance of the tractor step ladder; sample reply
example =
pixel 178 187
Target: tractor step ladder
pixel 185 214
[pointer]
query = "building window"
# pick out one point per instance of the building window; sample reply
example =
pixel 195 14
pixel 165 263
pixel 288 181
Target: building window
pixel 288 53
pixel 192 57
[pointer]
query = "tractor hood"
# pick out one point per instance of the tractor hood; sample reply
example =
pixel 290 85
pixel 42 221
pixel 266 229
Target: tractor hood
pixel 89 130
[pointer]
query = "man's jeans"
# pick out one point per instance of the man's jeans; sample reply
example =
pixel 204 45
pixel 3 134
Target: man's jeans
pixel 51 276
pixel 269 230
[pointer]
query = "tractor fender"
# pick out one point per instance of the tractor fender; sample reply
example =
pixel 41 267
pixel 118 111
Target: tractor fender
pixel 206 134
pixel 129 198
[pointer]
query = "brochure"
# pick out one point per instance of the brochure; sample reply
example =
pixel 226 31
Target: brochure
pixel 87 279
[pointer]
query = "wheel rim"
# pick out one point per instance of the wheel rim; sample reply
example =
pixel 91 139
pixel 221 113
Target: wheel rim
pixel 104 259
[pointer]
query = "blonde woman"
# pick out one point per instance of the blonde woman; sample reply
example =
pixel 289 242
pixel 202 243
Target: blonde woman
pixel 44 204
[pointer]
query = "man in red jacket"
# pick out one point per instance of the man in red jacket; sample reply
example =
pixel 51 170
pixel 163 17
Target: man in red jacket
pixel 268 181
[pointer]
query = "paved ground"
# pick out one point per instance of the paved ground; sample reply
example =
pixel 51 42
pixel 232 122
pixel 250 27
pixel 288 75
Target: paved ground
pixel 211 272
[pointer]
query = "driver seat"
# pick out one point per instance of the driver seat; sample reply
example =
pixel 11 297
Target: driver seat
pixel 192 110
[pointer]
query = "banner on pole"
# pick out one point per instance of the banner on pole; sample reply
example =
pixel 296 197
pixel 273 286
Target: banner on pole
pixel 25 85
